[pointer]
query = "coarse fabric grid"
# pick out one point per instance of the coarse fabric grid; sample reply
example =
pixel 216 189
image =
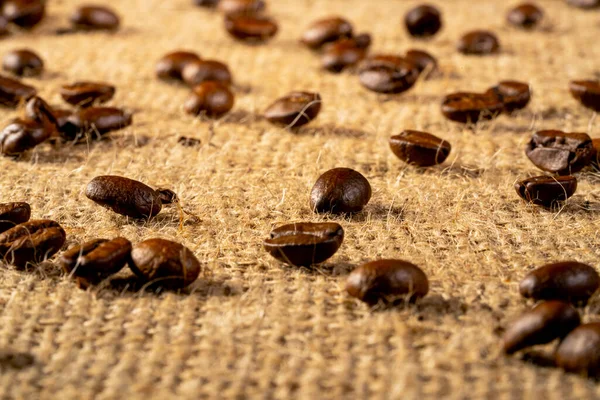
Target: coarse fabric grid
pixel 251 327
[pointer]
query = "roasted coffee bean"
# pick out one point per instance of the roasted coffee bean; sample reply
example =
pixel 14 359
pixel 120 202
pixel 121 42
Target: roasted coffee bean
pixel 171 65
pixel 513 94
pixel 387 74
pixel 559 152
pixel 387 281
pixel 24 13
pixel 545 322
pixel 164 263
pixel 579 352
pixel 37 110
pixel 96 121
pixel 21 135
pixel 15 361
pixel 585 4
pixel 546 191
pixel 3 26
pixel 294 109
pixel 241 6
pixel 305 243
pixel 196 72
pixel 23 63
pixel 12 214
pixel 31 242
pixel 423 21
pixel 340 190
pixel 345 52
pixel 424 61
pixel 596 157
pixel 124 196
pixel 479 43
pixel 211 98
pixel 526 16
pixel 250 27
pixel 568 281
pixel 468 107
pixel 167 196
pixel 587 93
pixel 66 128
pixel 96 260
pixel 13 92
pixel 326 30
pixel 85 94
pixel 420 148
pixel 93 18
pixel 188 141
pixel 206 3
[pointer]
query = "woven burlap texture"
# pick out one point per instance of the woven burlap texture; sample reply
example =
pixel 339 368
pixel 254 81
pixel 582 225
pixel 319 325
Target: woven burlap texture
pixel 251 327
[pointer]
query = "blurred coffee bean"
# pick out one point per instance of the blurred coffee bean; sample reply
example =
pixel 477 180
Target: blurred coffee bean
pixel 210 98
pixel 24 13
pixel 12 214
pixel 85 94
pixel 424 61
pixel 171 65
pixel 468 107
pixel 294 109
pixel 326 30
pixel 3 26
pixel 546 191
pixel 66 128
pixel 560 152
pixel 513 94
pixel 420 148
pixel 387 74
pixel 37 110
pixel 587 93
pixel 21 135
pixel 23 63
pixel 206 3
pixel 585 4
pixel 525 15
pixel 250 27
pixel 340 190
pixel 13 92
pixel 188 141
pixel 579 352
pixel 93 18
pixel 345 53
pixel 479 43
pixel 31 242
pixel 241 6
pixel 196 72
pixel 423 21
pixel 97 121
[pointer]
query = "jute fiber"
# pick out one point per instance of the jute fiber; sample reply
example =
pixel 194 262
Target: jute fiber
pixel 251 327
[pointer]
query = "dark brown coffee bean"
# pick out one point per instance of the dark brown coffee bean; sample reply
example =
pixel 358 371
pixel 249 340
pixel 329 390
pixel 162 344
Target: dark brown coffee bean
pixel 568 281
pixel 92 18
pixel 23 63
pixel 345 53
pixel 423 21
pixel 294 109
pixel 164 263
pixel 546 191
pixel 13 92
pixel 596 157
pixel 188 141
pixel 585 4
pixel 241 6
pixel 85 94
pixel 197 72
pixel 526 16
pixel 3 26
pixel 587 93
pixel 15 361
pixel 387 281
pixel 37 110
pixel 31 242
pixel 124 196
pixel 12 214
pixel 167 196
pixel 468 107
pixel 420 148
pixel 206 3
pixel 544 323
pixel 579 352
pixel 340 190
pixel 513 94
pixel 97 121
pixel 66 128
pixel 560 152
pixel 171 65
pixel 250 27
pixel 326 30
pixel 210 98
pixel 479 43
pixel 305 243
pixel 21 135
pixel 387 74
pixel 96 260
pixel 424 61
pixel 24 13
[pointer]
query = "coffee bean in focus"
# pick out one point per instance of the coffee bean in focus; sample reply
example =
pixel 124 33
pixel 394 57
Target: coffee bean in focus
pixel 31 242
pixel 420 148
pixel 546 191
pixel 560 152
pixel 340 190
pixel 294 109
pixel 13 214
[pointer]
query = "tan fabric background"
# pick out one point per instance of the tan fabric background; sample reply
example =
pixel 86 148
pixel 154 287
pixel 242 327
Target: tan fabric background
pixel 252 328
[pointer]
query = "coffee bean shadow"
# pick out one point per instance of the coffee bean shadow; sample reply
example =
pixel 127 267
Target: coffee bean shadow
pixel 460 171
pixel 577 204
pixel 378 211
pixel 539 358
pixel 330 269
pixel 408 98
pixel 330 130
pixel 434 305
pixel 549 113
pixel 241 117
pixel 499 128
pixel 45 154
pixel 242 88
pixel 16 361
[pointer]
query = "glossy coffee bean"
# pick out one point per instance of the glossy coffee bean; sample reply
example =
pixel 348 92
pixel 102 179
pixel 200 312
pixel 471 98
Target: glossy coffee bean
pixel 96 260
pixel 250 27
pixel 387 74
pixel 85 94
pixel 31 242
pixel 24 13
pixel 326 30
pixel 525 15
pixel 13 92
pixel 12 214
pixel 546 191
pixel 420 148
pixel 340 190
pixel 305 243
pixel 21 135
pixel 544 323
pixel 587 93
pixel 579 352
pixel 93 18
pixel 241 6
pixel 210 98
pixel 424 61
pixel 387 281
pixel 560 152
pixel 23 63
pixel 585 4
pixel 468 107
pixel 513 94
pixel 294 109
pixel 171 65
pixel 423 21
pixel 67 130
pixel 568 281
pixel 164 263
pixel 479 43
pixel 37 110
pixel 345 53
pixel 197 72
pixel 97 121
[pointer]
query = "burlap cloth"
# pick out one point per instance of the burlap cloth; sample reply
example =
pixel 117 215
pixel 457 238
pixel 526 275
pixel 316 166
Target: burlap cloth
pixel 250 327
